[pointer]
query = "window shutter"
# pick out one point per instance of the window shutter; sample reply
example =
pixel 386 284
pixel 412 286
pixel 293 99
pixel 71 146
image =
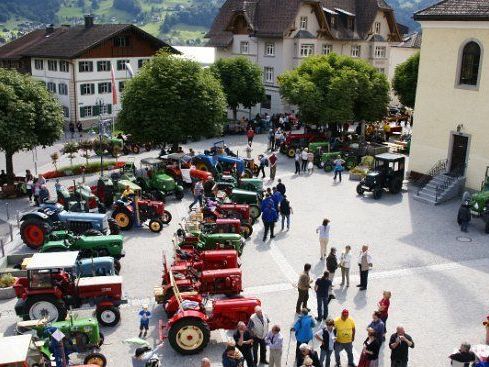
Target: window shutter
pixel 82 112
pixel 96 110
pixel 109 109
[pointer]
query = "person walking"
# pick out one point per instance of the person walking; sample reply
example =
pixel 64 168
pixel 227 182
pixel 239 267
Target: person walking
pixel 273 165
pixel 198 194
pixel 244 343
pixel 144 316
pixel 307 357
pixel 345 335
pixel 29 185
pixel 378 326
pixel 285 211
pixel 370 352
pixel 399 343
pixel 281 187
pixel 304 155
pixel 364 263
pixel 263 163
pixel 338 167
pixel 258 326
pixel 464 216
pixel 323 231
pixel 332 263
pixel 297 160
pixel 310 163
pixel 345 263
pixel 322 288
pixel 277 198
pixel 275 341
pixel 250 134
pixel 303 286
pixel 271 140
pixel 269 216
pixel 303 329
pixel 79 127
pixel 326 337
pixel 383 308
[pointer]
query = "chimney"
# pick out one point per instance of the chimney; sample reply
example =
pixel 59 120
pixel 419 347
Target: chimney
pixel 88 20
pixel 50 29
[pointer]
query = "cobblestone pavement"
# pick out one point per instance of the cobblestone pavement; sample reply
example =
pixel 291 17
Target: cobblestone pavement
pixel 435 272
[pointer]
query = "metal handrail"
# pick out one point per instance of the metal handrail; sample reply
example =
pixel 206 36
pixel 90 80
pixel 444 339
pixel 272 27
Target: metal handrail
pixel 439 167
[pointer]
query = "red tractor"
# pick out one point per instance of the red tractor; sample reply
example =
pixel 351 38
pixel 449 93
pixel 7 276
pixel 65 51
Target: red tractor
pixel 188 331
pixel 232 211
pixel 126 213
pixel 294 141
pixel 207 260
pixel 180 168
pixel 48 291
pixel 219 226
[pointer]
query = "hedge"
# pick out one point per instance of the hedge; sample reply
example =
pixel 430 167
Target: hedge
pixel 76 169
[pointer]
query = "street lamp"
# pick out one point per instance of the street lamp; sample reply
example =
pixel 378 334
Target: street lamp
pixel 100 104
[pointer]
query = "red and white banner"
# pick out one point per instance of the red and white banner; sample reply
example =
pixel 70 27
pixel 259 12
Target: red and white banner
pixel 114 87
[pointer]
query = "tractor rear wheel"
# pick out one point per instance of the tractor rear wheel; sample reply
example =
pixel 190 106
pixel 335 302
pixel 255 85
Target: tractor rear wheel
pixel 33 232
pixel 135 149
pixel 45 307
pixel 189 335
pixel 291 152
pixel 108 315
pixel 155 225
pixel 378 193
pixel 123 219
pixel 166 217
pixel 246 230
pixel 97 359
pixel 395 186
pixel 255 212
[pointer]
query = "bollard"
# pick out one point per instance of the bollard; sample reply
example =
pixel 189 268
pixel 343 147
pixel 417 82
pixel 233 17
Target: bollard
pixel 8 212
pixel 1 247
pixel 11 232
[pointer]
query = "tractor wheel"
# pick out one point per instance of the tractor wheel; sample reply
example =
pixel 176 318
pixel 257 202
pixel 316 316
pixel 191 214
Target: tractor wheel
pixel 108 315
pixel 360 190
pixel 283 149
pixel 166 217
pixel 246 230
pixel 378 193
pixel 179 194
pixel 395 186
pixel 201 166
pixel 328 167
pixel 97 359
pixel 113 227
pixel 155 225
pixel 123 219
pixel 45 307
pixel 189 335
pixel 33 232
pixel 255 212
pixel 248 173
pixel 135 149
pixel 117 267
pixel 291 153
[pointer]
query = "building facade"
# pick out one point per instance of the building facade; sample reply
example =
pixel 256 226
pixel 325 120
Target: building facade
pixel 453 89
pixel 76 63
pixel 279 38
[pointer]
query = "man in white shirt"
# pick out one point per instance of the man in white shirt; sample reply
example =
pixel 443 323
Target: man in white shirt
pixel 364 263
pixel 258 327
pixel 323 231
pixel 326 336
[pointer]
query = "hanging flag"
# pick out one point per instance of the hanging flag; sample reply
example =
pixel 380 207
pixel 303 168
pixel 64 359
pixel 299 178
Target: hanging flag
pixel 114 87
pixel 129 70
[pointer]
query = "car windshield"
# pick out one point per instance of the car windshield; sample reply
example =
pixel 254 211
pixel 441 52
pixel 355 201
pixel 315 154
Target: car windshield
pixel 40 279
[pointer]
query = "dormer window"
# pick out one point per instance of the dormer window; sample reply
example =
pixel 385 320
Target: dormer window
pixel 121 41
pixel 333 21
pixel 350 23
pixel 303 23
pixel 377 27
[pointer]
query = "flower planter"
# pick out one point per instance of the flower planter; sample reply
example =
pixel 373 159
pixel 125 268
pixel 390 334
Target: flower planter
pixel 7 293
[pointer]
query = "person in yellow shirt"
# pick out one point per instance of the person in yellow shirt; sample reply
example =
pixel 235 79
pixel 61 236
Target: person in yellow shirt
pixel 128 193
pixel 345 335
pixel 387 130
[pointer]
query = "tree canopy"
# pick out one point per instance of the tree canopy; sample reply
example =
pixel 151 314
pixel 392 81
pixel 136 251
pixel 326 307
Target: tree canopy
pixel 29 115
pixel 241 80
pixel 330 89
pixel 406 80
pixel 171 99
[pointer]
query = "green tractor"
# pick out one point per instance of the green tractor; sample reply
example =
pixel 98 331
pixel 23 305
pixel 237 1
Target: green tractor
pixel 112 146
pixel 227 183
pixel 214 241
pixel 479 202
pixel 324 159
pixel 238 196
pixel 157 181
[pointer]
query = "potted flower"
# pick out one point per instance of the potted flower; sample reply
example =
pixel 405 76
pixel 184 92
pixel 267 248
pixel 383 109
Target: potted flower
pixel 6 286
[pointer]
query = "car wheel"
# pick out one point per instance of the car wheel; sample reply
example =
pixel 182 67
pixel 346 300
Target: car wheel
pixel 166 217
pixel 155 225
pixel 97 359
pixel 189 335
pixel 108 316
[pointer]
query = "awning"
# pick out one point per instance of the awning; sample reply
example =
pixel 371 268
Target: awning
pixel 344 12
pixel 329 11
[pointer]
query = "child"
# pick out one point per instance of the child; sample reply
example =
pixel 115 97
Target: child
pixel 144 316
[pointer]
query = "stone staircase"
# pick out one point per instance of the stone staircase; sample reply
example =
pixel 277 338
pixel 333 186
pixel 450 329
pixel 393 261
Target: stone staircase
pixel 440 188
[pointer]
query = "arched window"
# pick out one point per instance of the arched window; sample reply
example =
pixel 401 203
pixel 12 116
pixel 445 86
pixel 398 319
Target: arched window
pixel 469 70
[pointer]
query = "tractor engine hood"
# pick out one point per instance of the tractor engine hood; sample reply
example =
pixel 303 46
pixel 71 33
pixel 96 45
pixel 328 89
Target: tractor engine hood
pixel 163 178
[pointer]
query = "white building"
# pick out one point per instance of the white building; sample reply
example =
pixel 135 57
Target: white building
pixel 279 37
pixel 75 63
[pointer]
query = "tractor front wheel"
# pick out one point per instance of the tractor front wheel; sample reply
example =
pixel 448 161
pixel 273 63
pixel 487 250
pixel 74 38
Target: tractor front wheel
pixel 255 212
pixel 108 315
pixel 291 153
pixel 360 190
pixel 123 219
pixel 155 225
pixel 45 307
pixel 97 359
pixel 378 194
pixel 33 232
pixel 166 217
pixel 189 335
pixel 246 230
pixel 135 149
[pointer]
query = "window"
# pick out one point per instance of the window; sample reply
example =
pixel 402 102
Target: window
pixel 306 50
pixel 85 66
pixel 269 49
pixel 103 65
pixel 87 89
pixel 66 112
pixel 106 109
pixel 38 64
pixel 64 66
pixel 52 87
pixel 327 49
pixel 121 86
pixel 121 41
pixel 333 21
pixel 377 27
pixel 267 103
pixel 62 89
pixel 53 65
pixel 380 52
pixel 121 64
pixel 355 51
pixel 303 23
pixel 243 47
pixel 268 75
pixel 86 111
pixel 141 62
pixel 350 23
pixel 104 88
pixel 469 70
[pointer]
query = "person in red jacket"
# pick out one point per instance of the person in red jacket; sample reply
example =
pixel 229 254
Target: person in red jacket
pixel 250 134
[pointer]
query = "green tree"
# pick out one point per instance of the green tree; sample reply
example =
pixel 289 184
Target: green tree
pixel 86 146
pixel 29 115
pixel 332 89
pixel 70 149
pixel 406 80
pixel 241 80
pixel 170 100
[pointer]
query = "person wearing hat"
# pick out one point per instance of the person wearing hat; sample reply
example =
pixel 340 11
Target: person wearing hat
pixel 303 329
pixel 345 335
pixel 143 355
pixel 144 316
pixel 306 356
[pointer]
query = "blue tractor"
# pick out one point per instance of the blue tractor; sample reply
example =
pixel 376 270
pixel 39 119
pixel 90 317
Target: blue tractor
pixel 37 225
pixel 220 164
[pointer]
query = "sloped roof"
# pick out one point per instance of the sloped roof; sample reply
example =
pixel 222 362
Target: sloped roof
pixel 468 10
pixel 411 40
pixel 69 42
